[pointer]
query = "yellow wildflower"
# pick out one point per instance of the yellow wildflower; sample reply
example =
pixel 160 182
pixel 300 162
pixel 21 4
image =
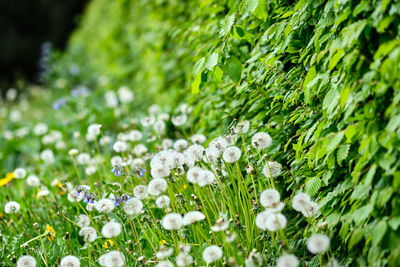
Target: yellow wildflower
pixel 162 242
pixel 7 179
pixel 185 186
pixel 50 232
pixel 108 243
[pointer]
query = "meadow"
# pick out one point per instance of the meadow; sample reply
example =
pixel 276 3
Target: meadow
pixel 209 133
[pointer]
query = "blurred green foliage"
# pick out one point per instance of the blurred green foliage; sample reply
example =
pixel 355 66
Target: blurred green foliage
pixel 321 76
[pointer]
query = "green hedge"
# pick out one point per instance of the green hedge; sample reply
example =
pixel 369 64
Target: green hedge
pixel 322 77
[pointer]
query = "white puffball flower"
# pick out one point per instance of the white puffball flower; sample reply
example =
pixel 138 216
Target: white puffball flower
pixel 163 202
pixel 105 205
pixel 275 222
pixel 125 94
pixel 83 158
pixel 167 143
pixel 89 234
pixel 198 139
pixel 192 217
pixel 184 259
pixel 26 261
pixel 310 209
pixel 172 221
pixel 261 140
pixel 73 152
pixel 212 254
pixel 218 144
pixel 94 129
pixel 272 168
pixel 12 207
pixel 133 206
pixel 180 144
pixel 287 261
pixel 300 200
pixel 114 258
pixel 159 127
pixel 90 170
pixel 261 219
pixel 206 177
pixel 269 198
pixel 120 146
pixel 179 120
pixel 164 264
pixel 164 252
pixel 111 99
pixel 111 229
pixel 140 192
pixel 83 220
pixel 47 156
pixel 318 243
pixel 147 121
pixel 40 129
pixel 193 174
pixel 157 186
pixel 19 173
pixel 70 261
pixel 33 180
pixel 232 154
pixel 140 149
pixel 242 127
pixel 154 109
pixel 116 160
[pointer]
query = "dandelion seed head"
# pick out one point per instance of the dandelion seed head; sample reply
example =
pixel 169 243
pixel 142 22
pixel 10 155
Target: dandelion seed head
pixel 219 144
pixel 269 197
pixel 114 258
pixel 212 254
pixel 40 129
pixel 83 158
pixel 318 243
pixel 26 261
pixel 184 259
pixel 89 234
pixel 232 154
pixel 206 177
pixel 242 127
pixel 274 167
pixel 261 220
pixel 33 180
pixel 133 206
pixel 179 120
pixel 105 205
pixel 125 94
pixel 261 140
pixel 47 156
pixel 193 174
pixel 120 146
pixel 310 209
pixel 167 143
pixel 157 186
pixel 254 260
pixel 111 229
pixel 300 200
pixel 180 144
pixel 159 127
pixel 275 222
pixel 139 149
pixel 140 192
pixel 70 261
pixel 163 202
pixel 94 129
pixel 12 207
pixel 172 221
pixel 19 173
pixel 192 217
pixel 147 121
pixel 164 252
pixel 198 139
pixel 135 135
pixel 83 220
pixel 164 264
pixel 287 261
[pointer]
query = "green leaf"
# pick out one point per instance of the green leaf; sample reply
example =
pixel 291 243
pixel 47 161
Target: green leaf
pixel 362 213
pixel 335 59
pixel 309 77
pixel 394 222
pixel 356 237
pixel 234 69
pixel 218 72
pixel 212 60
pixel 330 101
pixel 196 84
pixel 313 185
pixel 198 67
pixel 342 153
pixel 360 192
pixel 227 24
pixel 334 141
pixel 250 6
pixel 378 232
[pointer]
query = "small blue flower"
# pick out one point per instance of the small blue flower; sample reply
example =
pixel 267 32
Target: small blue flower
pixel 140 171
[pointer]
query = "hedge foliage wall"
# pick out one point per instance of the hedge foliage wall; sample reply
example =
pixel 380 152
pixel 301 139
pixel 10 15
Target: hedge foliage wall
pixel 322 77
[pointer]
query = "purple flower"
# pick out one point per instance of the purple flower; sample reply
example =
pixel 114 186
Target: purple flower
pixel 140 171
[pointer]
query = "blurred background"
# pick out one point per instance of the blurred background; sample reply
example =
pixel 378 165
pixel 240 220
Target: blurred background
pixel 29 29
